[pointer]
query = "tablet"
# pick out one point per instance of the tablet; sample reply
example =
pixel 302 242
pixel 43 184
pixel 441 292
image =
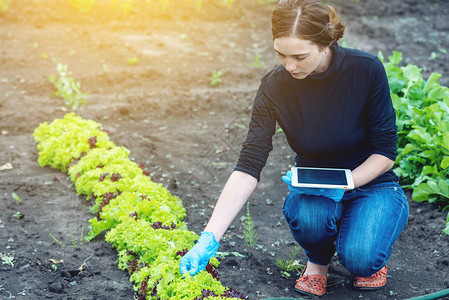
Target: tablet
pixel 322 178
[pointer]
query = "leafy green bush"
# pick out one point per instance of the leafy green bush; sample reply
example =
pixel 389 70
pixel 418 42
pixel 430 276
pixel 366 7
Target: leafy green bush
pixel 422 109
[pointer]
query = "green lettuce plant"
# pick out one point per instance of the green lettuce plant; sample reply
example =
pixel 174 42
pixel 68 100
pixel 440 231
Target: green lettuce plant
pixel 144 220
pixel 422 110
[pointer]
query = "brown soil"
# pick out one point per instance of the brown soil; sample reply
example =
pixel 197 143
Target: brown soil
pixel 186 131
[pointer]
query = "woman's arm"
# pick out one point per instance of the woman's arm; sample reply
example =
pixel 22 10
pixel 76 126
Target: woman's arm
pixel 370 169
pixel 236 192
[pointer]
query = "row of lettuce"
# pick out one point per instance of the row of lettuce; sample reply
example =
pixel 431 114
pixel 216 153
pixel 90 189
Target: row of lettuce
pixel 422 110
pixel 144 220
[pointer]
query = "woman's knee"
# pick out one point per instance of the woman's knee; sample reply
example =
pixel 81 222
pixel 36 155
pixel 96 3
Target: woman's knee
pixel 309 217
pixel 362 261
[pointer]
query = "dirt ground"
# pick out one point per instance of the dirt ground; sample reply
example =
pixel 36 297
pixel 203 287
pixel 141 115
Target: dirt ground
pixel 187 132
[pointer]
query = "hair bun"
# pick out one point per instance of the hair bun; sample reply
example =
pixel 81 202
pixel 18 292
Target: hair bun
pixel 336 28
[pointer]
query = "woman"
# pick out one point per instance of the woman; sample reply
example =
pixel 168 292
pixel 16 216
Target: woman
pixel 334 106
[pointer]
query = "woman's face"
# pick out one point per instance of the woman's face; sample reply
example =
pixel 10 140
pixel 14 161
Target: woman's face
pixel 300 57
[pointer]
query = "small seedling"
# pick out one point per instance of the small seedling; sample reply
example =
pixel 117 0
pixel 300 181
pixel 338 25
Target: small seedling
pixel 433 56
pixel 18 215
pixel 393 293
pixel 340 282
pixel 16 197
pixel 215 78
pixel 81 237
pixel 257 63
pixel 56 240
pixel 249 232
pixel 133 60
pixel 74 243
pixel 67 88
pixel 73 240
pixel 7 259
pixel 228 3
pixel 289 264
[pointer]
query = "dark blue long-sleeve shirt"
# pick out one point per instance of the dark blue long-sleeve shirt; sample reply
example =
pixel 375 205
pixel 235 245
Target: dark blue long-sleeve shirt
pixel 335 119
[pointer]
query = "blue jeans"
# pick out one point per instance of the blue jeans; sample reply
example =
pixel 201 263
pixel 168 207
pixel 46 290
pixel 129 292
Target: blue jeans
pixel 362 227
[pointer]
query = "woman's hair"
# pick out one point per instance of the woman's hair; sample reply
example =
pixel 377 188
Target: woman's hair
pixel 308 20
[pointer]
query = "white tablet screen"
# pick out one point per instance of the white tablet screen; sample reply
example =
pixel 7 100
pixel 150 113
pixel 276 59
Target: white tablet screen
pixel 318 176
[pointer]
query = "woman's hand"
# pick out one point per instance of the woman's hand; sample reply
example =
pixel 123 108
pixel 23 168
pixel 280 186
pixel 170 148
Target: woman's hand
pixel 334 194
pixel 198 257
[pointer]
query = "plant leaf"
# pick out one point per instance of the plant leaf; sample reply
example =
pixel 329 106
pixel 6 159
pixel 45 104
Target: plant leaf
pixel 422 191
pixel 444 188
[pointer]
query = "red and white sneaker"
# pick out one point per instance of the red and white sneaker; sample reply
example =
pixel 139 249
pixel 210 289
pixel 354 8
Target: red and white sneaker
pixel 373 282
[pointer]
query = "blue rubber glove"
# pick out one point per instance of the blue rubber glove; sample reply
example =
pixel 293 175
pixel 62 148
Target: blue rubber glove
pixel 198 257
pixel 334 194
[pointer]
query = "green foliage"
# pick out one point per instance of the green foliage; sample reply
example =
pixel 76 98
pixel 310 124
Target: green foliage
pixel 228 3
pixel 4 5
pixel 157 250
pixel 16 198
pixel 83 6
pixel 257 63
pixel 143 218
pixel 133 60
pixel 249 232
pixel 74 242
pixel 63 141
pixel 125 6
pixel 67 88
pixel 290 264
pixel 422 110
pixel 56 240
pixel 18 215
pixel 215 78
pixel 7 259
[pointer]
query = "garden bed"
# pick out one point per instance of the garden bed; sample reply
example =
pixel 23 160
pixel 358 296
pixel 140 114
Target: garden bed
pixel 186 132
